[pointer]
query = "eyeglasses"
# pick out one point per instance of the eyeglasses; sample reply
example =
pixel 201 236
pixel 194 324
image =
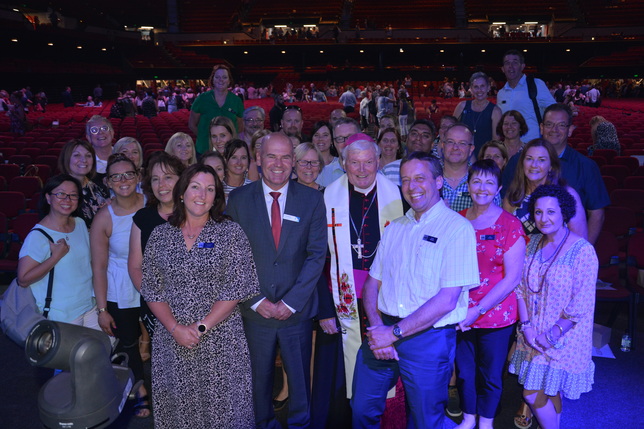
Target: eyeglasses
pixel 341 139
pixel 95 130
pixel 64 196
pixel 560 126
pixel 253 120
pixel 303 163
pixel 118 177
pixel 416 134
pixel 461 145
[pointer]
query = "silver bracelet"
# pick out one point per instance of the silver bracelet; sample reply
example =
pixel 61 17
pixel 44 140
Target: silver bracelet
pixel 561 331
pixel 550 340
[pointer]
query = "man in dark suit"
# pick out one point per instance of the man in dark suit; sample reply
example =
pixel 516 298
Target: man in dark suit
pixel 277 210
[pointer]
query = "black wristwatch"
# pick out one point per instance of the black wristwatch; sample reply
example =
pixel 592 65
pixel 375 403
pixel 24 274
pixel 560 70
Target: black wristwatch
pixel 398 332
pixel 202 328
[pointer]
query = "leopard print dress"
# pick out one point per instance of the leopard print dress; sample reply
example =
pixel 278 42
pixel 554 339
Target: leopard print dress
pixel 210 385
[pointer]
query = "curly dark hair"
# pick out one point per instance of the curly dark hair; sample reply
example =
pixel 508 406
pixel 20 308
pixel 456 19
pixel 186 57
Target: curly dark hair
pixel 178 216
pixel 566 201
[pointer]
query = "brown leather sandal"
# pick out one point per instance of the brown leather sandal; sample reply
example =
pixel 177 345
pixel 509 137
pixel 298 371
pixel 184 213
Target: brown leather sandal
pixel 523 418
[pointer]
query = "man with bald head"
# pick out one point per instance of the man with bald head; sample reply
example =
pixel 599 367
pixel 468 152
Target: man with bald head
pixel 286 227
pixel 458 146
pixel 291 123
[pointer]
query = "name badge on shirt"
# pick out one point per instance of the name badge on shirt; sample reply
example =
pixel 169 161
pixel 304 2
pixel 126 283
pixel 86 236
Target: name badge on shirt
pixel 487 237
pixel 291 218
pixel 430 238
pixel 205 245
pixel 463 194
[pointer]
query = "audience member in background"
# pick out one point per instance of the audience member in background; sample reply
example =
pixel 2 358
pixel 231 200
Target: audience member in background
pixel 403 114
pixel 276 112
pixel 72 294
pixel 594 121
pixel 149 106
pixel 556 300
pixel 348 100
pixel 496 151
pixel 161 174
pixel 98 93
pixel 484 338
pixel 175 101
pixel 197 268
pixel 118 301
pixel 253 117
pixel 480 114
pixel 77 158
pixel 364 110
pixel 322 138
pixel 222 130
pixel 510 129
pixel 218 101
pixel 390 154
pixel 539 165
pixel 182 146
pixel 605 138
pixel 17 114
pixel 68 99
pixel 216 161
pixel 308 165
pixel 237 157
pixel 100 134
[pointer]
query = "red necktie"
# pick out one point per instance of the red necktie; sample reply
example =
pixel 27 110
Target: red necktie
pixel 276 218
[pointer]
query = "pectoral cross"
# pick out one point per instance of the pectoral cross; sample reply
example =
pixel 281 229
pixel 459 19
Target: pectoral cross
pixel 358 248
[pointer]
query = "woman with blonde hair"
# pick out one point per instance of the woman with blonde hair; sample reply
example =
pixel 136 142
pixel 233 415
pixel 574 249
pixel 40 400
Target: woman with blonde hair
pixel 182 146
pixel 130 147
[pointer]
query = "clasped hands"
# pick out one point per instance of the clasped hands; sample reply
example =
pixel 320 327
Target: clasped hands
pixel 537 342
pixel 187 335
pixel 270 310
pixel 381 339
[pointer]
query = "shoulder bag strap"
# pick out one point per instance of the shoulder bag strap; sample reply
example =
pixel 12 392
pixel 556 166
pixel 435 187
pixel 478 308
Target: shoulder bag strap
pixel 50 284
pixel 532 93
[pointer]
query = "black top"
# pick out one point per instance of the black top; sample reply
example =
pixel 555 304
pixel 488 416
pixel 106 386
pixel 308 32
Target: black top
pixel 147 219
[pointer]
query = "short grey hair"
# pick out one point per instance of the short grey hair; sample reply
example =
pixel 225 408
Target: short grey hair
pixel 253 108
pixel 359 146
pixel 98 118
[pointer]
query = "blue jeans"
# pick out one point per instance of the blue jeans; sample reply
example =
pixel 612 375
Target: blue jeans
pixel 425 366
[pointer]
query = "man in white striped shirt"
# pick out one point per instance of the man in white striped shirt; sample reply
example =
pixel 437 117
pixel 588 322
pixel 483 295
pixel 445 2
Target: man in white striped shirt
pixel 416 292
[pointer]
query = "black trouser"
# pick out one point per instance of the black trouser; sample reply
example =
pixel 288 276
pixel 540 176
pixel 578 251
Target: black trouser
pixel 128 332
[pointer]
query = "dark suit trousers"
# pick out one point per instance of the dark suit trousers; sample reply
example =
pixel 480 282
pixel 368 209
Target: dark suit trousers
pixel 295 346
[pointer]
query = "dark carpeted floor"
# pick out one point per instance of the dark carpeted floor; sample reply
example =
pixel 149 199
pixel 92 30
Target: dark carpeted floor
pixel 616 399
